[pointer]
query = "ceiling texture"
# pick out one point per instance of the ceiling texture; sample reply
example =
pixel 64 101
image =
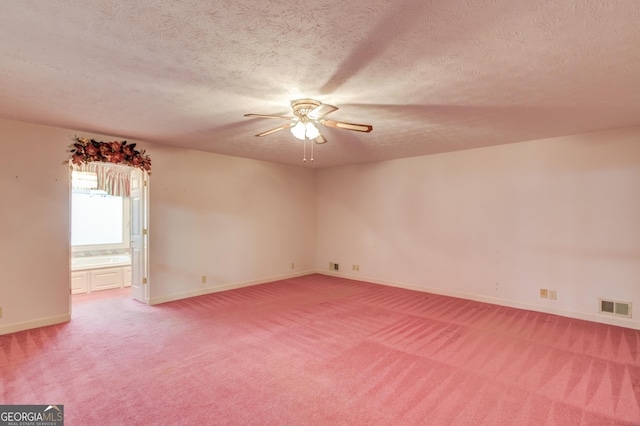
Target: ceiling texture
pixel 430 76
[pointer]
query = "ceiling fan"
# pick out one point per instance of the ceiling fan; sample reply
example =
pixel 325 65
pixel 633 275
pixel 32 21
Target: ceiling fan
pixel 307 114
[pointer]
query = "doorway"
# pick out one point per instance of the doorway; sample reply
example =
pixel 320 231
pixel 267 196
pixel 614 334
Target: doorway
pixel 109 232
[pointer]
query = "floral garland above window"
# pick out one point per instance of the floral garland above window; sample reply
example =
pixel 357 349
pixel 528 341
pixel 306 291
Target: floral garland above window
pixel 89 150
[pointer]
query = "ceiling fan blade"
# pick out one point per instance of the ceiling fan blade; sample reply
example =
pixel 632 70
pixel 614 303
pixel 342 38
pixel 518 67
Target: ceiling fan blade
pixel 269 116
pixel 321 110
pixel 277 129
pixel 320 139
pixel 366 128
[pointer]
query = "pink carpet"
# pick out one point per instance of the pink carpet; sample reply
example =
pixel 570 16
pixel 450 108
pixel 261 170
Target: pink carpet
pixel 320 350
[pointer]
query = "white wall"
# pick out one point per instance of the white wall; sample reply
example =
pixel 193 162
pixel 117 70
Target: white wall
pixel 495 224
pixel 235 220
pixel 34 225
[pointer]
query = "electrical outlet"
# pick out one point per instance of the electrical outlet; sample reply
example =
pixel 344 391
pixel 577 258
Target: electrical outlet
pixel 355 267
pixel 544 293
pixel 553 295
pixel 334 266
pixel 203 279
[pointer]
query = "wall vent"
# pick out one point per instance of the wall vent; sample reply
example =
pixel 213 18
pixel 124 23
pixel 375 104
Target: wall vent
pixel 614 307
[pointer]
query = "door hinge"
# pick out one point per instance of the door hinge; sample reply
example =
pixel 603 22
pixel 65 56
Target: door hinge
pixel 144 281
pixel 144 232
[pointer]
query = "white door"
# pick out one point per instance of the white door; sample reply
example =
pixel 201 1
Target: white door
pixel 139 235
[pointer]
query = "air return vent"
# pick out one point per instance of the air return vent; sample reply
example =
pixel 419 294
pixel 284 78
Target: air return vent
pixel 614 307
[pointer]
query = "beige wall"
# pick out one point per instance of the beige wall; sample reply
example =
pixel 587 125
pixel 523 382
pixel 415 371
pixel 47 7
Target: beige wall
pixel 495 224
pixel 235 220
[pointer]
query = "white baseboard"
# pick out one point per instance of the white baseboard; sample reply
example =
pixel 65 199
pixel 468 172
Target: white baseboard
pixel 223 287
pixel 28 325
pixel 603 319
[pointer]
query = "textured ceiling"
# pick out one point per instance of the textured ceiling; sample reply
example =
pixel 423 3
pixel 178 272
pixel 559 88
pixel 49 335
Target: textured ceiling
pixel 430 76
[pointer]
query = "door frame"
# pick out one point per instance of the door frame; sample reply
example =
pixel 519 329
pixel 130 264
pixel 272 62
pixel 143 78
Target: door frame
pixel 143 266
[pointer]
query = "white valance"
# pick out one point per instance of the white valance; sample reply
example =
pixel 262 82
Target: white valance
pixel 114 180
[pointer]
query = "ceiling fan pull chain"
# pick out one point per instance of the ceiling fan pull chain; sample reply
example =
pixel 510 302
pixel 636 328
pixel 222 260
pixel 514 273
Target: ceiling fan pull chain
pixel 312 144
pixel 304 150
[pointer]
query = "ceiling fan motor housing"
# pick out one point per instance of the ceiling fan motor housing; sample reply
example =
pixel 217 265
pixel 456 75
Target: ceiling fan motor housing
pixel 302 107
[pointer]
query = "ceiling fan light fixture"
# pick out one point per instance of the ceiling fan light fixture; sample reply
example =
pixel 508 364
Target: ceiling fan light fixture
pixel 304 131
pixel 299 130
pixel 312 131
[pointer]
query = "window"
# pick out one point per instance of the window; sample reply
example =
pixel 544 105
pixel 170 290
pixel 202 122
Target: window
pixel 98 221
